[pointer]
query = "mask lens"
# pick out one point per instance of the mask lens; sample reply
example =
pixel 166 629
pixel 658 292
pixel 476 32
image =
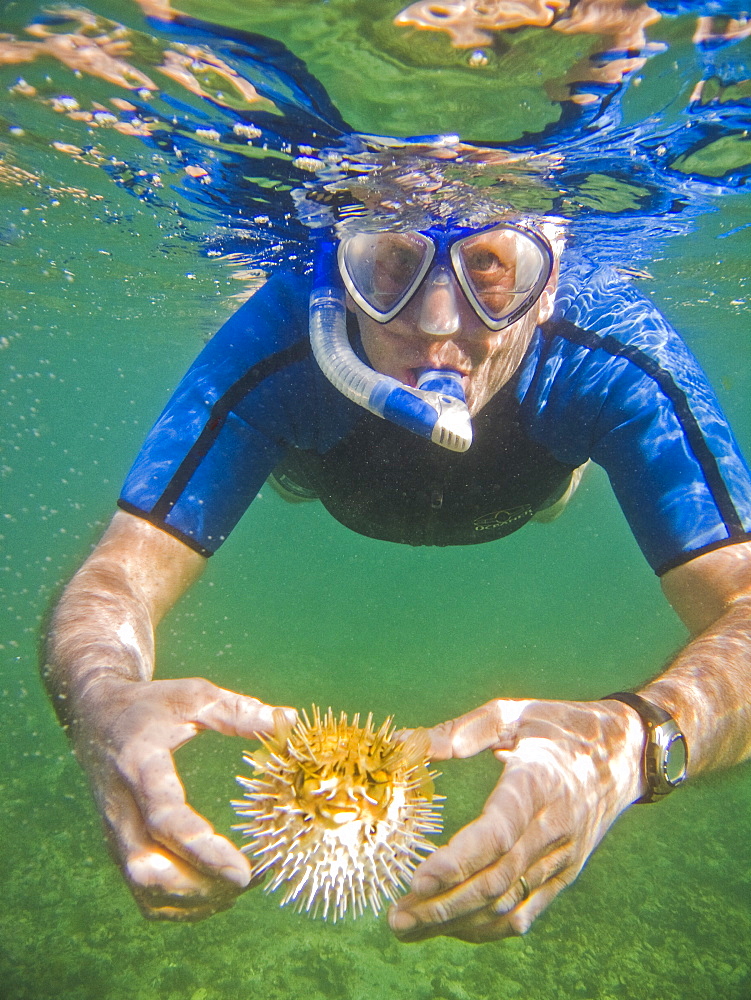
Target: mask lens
pixel 382 270
pixel 504 270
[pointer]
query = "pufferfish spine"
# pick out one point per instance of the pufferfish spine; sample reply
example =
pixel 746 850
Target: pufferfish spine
pixel 339 812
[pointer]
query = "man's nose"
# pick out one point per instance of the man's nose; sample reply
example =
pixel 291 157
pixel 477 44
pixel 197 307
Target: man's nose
pixel 439 310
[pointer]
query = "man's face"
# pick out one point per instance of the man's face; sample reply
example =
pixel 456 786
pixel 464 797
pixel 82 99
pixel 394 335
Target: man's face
pixel 486 359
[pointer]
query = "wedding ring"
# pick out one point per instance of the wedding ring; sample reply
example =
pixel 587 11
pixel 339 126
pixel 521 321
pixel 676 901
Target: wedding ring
pixel 525 889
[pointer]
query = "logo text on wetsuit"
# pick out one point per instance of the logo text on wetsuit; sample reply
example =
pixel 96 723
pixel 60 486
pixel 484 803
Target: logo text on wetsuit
pixel 502 518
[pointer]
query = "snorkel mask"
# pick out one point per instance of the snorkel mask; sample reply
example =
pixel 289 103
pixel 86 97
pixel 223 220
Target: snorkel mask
pixel 501 270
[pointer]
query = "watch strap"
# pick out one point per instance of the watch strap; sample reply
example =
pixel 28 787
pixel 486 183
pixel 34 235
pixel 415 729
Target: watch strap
pixel 649 712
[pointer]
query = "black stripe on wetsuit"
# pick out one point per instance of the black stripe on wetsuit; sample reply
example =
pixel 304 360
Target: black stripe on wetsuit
pixel 688 422
pixel 221 409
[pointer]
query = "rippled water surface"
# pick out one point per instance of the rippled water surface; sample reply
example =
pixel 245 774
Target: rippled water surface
pixel 105 297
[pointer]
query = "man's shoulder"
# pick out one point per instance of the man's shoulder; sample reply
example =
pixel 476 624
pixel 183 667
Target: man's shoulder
pixel 268 326
pixel 605 302
pixel 603 311
pixel 604 338
pixel 591 296
pixel 275 314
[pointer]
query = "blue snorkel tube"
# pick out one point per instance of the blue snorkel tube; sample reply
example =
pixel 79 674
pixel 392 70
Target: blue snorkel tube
pixel 436 409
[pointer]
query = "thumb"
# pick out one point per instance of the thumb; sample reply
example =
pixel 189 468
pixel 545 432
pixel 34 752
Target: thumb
pixel 235 714
pixel 493 725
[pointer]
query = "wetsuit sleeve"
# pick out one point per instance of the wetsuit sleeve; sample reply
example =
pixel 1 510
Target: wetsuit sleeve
pixel 228 422
pixel 623 389
pixel 673 462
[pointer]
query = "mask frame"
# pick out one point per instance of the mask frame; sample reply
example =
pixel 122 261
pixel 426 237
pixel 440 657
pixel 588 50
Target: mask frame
pixel 442 248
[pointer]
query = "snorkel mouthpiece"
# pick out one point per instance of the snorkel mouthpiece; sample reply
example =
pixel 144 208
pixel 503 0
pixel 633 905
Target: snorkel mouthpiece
pixel 443 380
pixel 444 390
pixel 435 409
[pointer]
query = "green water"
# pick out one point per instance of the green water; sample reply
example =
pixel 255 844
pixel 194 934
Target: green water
pixel 101 312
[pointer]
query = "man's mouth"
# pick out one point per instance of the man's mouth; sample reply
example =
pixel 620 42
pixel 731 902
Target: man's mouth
pixel 413 374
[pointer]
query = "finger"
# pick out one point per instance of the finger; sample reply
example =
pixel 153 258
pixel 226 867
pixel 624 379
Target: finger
pixel 164 886
pixel 235 714
pixel 556 867
pixel 521 918
pixel 509 811
pixel 484 861
pixel 510 916
pixel 475 929
pixel 161 876
pixel 168 819
pixel 484 925
pixel 177 914
pixel 468 854
pixel 493 725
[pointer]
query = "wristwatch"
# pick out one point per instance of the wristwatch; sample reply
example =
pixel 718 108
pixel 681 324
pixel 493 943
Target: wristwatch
pixel 665 752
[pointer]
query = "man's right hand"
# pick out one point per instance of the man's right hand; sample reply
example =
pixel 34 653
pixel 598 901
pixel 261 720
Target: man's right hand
pixel 124 734
pixel 98 665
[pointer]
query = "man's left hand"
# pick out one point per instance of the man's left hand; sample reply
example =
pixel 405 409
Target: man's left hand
pixel 569 769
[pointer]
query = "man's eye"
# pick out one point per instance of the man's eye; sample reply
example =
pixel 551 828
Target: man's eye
pixel 483 260
pixel 403 261
pixel 399 264
pixel 487 269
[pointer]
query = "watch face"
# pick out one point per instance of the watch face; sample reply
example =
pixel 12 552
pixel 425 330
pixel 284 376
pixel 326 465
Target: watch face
pixel 675 760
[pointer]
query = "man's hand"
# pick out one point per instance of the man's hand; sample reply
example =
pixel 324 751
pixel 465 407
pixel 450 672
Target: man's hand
pixel 124 734
pixel 97 667
pixel 569 769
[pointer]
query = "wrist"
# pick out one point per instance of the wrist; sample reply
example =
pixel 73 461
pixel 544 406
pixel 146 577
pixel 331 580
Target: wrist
pixel 92 699
pixel 633 742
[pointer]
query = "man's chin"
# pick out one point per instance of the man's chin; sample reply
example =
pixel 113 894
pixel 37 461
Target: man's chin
pixel 477 396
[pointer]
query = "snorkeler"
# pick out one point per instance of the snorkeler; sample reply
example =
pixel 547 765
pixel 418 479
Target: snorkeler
pixel 460 373
pixel 441 380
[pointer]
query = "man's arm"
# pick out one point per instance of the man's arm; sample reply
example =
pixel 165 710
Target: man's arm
pixel 103 627
pixel 124 726
pixel 570 768
pixel 707 688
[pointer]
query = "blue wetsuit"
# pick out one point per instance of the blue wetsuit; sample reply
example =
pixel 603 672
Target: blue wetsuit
pixel 605 378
